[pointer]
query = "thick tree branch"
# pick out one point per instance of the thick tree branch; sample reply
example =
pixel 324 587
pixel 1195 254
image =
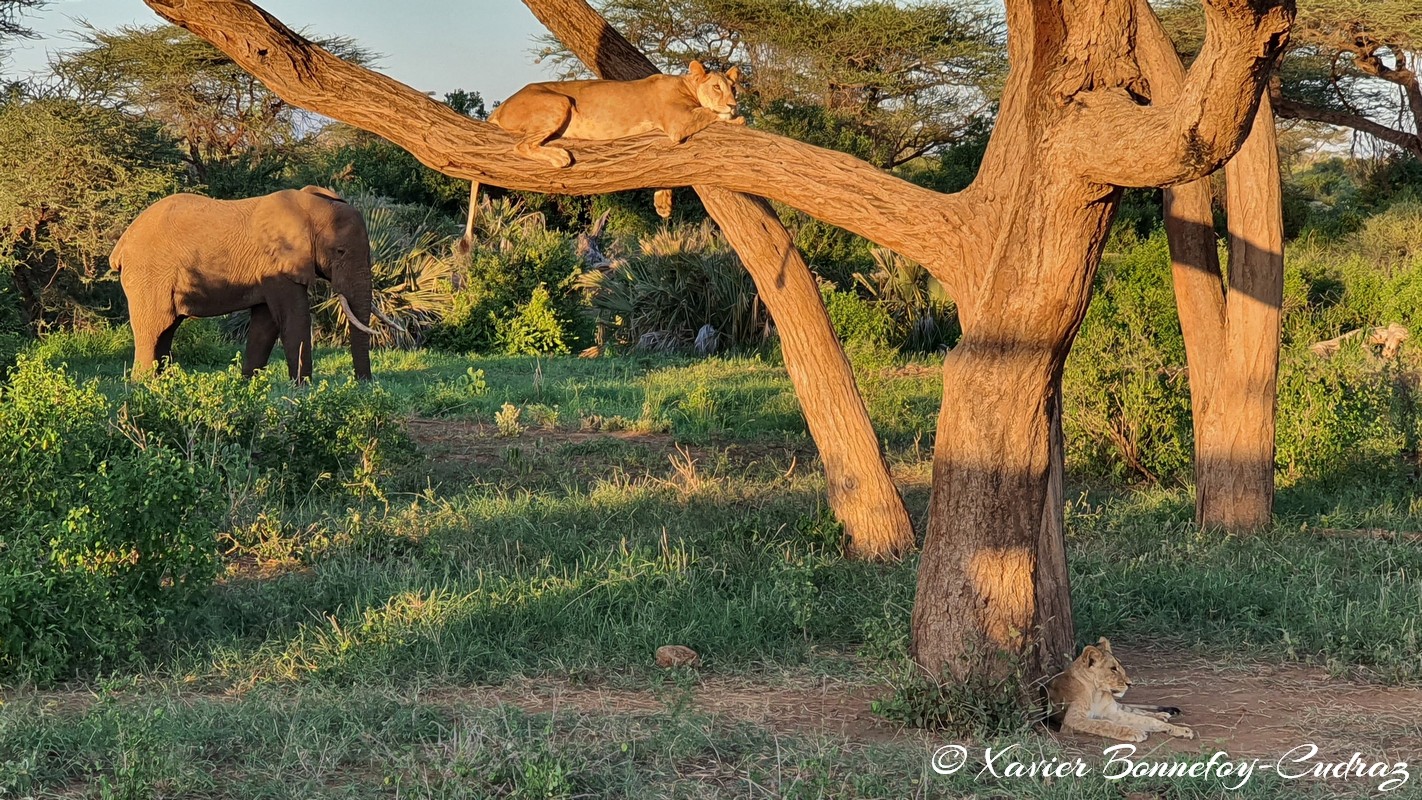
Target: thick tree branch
pixel 830 186
pixel 1164 144
pixel 1292 109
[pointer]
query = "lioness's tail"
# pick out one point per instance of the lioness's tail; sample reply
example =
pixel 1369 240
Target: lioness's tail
pixel 466 243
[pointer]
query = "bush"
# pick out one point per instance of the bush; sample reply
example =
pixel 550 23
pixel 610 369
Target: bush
pixel 105 533
pixel 513 255
pixel 1349 415
pixel 1126 406
pixel 319 437
pixel 672 284
pixel 856 320
pixel 535 329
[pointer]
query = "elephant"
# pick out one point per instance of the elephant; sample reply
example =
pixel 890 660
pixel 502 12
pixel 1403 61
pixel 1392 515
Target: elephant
pixel 192 256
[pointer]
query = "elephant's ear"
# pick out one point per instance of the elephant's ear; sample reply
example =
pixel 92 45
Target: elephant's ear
pixel 290 249
pixel 293 257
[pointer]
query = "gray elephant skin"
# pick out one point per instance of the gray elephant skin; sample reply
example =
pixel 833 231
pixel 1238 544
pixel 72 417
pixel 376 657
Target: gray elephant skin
pixel 192 256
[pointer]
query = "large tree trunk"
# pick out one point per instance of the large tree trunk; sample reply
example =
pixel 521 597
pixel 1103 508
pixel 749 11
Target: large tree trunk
pixel 1017 250
pixel 1231 336
pixel 1234 396
pixel 994 575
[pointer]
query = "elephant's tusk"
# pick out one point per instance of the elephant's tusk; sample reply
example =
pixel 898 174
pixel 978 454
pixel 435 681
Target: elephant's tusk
pixel 388 321
pixel 346 307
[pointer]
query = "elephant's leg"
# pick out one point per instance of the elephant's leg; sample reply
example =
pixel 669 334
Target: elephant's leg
pixel 148 328
pixel 293 319
pixel 163 347
pixel 261 338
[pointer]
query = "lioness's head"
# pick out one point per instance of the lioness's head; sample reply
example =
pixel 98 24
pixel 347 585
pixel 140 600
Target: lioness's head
pixel 714 90
pixel 1100 669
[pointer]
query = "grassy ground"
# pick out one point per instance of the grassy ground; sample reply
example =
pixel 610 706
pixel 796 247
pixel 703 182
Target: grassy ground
pixel 646 502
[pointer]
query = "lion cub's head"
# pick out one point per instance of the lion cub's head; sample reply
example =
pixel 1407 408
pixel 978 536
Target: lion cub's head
pixel 1097 668
pixel 714 90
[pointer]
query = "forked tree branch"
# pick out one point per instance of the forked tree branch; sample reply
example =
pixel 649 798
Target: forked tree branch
pixel 831 186
pixel 1165 144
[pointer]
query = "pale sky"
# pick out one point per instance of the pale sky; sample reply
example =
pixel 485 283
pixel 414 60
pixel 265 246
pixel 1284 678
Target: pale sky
pixel 484 46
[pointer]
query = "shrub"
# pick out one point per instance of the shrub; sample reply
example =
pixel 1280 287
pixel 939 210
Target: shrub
pixel 105 533
pixel 856 320
pixel 921 315
pixel 672 284
pixel 535 329
pixel 347 434
pixel 1343 416
pixel 512 256
pixel 1126 407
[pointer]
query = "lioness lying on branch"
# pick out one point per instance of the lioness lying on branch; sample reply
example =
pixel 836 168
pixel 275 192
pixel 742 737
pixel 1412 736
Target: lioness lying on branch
pixel 677 105
pixel 1084 698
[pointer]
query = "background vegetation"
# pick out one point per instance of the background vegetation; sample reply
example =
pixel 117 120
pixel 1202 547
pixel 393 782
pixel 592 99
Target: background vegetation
pixel 497 510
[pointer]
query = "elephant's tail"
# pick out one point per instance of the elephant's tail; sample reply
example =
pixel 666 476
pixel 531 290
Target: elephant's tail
pixel 116 255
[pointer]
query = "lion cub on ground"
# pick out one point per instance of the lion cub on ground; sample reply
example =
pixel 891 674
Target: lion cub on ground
pixel 675 105
pixel 1088 690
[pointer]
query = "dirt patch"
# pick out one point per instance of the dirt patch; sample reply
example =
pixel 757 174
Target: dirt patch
pixel 1254 711
pixel 476 445
pixel 829 707
pixel 1258 710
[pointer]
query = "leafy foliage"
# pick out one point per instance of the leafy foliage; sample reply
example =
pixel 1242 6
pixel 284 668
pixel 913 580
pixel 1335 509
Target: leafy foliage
pixel 105 533
pixel 111 507
pixel 883 81
pixel 513 255
pixel 674 282
pixel 60 214
pixel 1126 410
pixel 236 134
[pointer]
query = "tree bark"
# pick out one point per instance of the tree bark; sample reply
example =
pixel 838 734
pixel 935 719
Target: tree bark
pixel 861 490
pixel 1231 332
pixel 1236 446
pixel 1017 250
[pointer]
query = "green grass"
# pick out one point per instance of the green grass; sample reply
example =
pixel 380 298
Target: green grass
pixel 557 557
pixel 324 743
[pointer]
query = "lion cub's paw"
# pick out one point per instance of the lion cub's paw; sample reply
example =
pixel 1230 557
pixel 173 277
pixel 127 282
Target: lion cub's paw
pixel 1181 732
pixel 1135 736
pixel 737 120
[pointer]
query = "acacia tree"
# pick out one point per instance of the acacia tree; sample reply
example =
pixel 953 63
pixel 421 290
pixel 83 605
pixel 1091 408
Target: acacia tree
pixel 1230 326
pixel 1349 64
pixel 1017 249
pixel 882 81
pixel 217 110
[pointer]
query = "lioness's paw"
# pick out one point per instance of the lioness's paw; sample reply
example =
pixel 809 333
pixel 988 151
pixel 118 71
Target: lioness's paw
pixel 1135 736
pixel 1160 715
pixel 737 120
pixel 1181 732
pixel 555 156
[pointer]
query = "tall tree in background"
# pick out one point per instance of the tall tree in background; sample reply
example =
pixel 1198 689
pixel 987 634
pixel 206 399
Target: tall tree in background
pixel 1350 64
pixel 219 112
pixel 1018 249
pixel 1230 322
pixel 61 212
pixel 882 81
